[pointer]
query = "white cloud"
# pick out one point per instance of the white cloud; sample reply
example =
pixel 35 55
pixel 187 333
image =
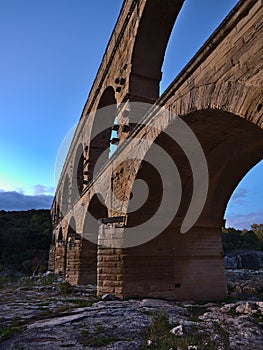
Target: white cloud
pixel 40 189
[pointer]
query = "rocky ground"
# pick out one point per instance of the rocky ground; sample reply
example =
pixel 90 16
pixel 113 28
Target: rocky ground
pixel 46 313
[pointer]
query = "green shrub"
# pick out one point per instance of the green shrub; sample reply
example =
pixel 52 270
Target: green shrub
pixel 65 288
pixel 162 339
pixel 96 338
pixel 8 332
pixel 4 281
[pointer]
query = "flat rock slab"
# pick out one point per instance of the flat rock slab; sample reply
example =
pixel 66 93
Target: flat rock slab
pixel 44 319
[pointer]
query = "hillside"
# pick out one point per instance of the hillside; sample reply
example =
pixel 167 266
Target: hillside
pixel 24 241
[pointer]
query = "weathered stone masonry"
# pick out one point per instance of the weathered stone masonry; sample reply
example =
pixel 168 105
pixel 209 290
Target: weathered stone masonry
pixel 219 94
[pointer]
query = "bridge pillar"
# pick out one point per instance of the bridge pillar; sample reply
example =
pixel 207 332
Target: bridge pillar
pixel 72 261
pixel 171 266
pixel 110 267
pixel 59 258
pixel 51 258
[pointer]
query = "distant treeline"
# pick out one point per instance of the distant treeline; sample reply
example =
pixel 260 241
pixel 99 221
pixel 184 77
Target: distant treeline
pixel 24 241
pixel 237 240
pixel 25 238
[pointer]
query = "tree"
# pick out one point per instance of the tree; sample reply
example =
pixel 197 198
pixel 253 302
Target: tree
pixel 235 240
pixel 258 229
pixel 25 238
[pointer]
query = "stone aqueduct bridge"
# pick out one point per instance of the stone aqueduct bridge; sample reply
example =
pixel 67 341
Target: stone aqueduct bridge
pixel 219 95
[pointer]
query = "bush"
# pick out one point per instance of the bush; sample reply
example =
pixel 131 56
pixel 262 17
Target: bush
pixel 4 281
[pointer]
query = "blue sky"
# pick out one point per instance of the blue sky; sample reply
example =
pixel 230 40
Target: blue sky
pixel 50 53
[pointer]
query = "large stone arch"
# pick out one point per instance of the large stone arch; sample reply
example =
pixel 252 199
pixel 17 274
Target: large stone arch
pixel 154 29
pixel 176 262
pixel 227 118
pixel 232 145
pixel 239 98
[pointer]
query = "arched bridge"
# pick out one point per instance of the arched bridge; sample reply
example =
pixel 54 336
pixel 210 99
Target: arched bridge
pixel 140 203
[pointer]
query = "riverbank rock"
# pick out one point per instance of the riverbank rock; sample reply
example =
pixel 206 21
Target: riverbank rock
pixel 51 317
pixel 245 284
pixel 252 260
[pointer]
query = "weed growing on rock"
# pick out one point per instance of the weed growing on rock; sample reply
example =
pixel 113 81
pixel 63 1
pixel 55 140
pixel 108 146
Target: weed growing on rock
pixel 161 338
pixel 96 338
pixel 9 331
pixel 4 282
pixel 40 280
pixel 47 279
pixel 65 288
pixel 195 312
pixel 26 282
pixel 222 335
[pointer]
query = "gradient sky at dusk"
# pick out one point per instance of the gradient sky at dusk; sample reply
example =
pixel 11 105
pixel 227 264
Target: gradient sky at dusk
pixel 50 53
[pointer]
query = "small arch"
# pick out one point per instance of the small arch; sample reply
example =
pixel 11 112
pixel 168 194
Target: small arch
pixel 60 253
pixel 88 253
pixel 58 214
pixel 65 196
pixel 114 140
pixel 78 175
pixel 101 131
pixel 53 239
pixel 54 212
pixel 69 258
pixel 57 206
pixel 60 235
pixel 72 228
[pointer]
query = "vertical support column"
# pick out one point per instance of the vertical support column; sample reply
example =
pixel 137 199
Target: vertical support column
pixel 87 263
pixel 59 257
pixel 177 266
pixel 173 265
pixel 199 263
pixel 73 260
pixel 51 259
pixel 110 256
